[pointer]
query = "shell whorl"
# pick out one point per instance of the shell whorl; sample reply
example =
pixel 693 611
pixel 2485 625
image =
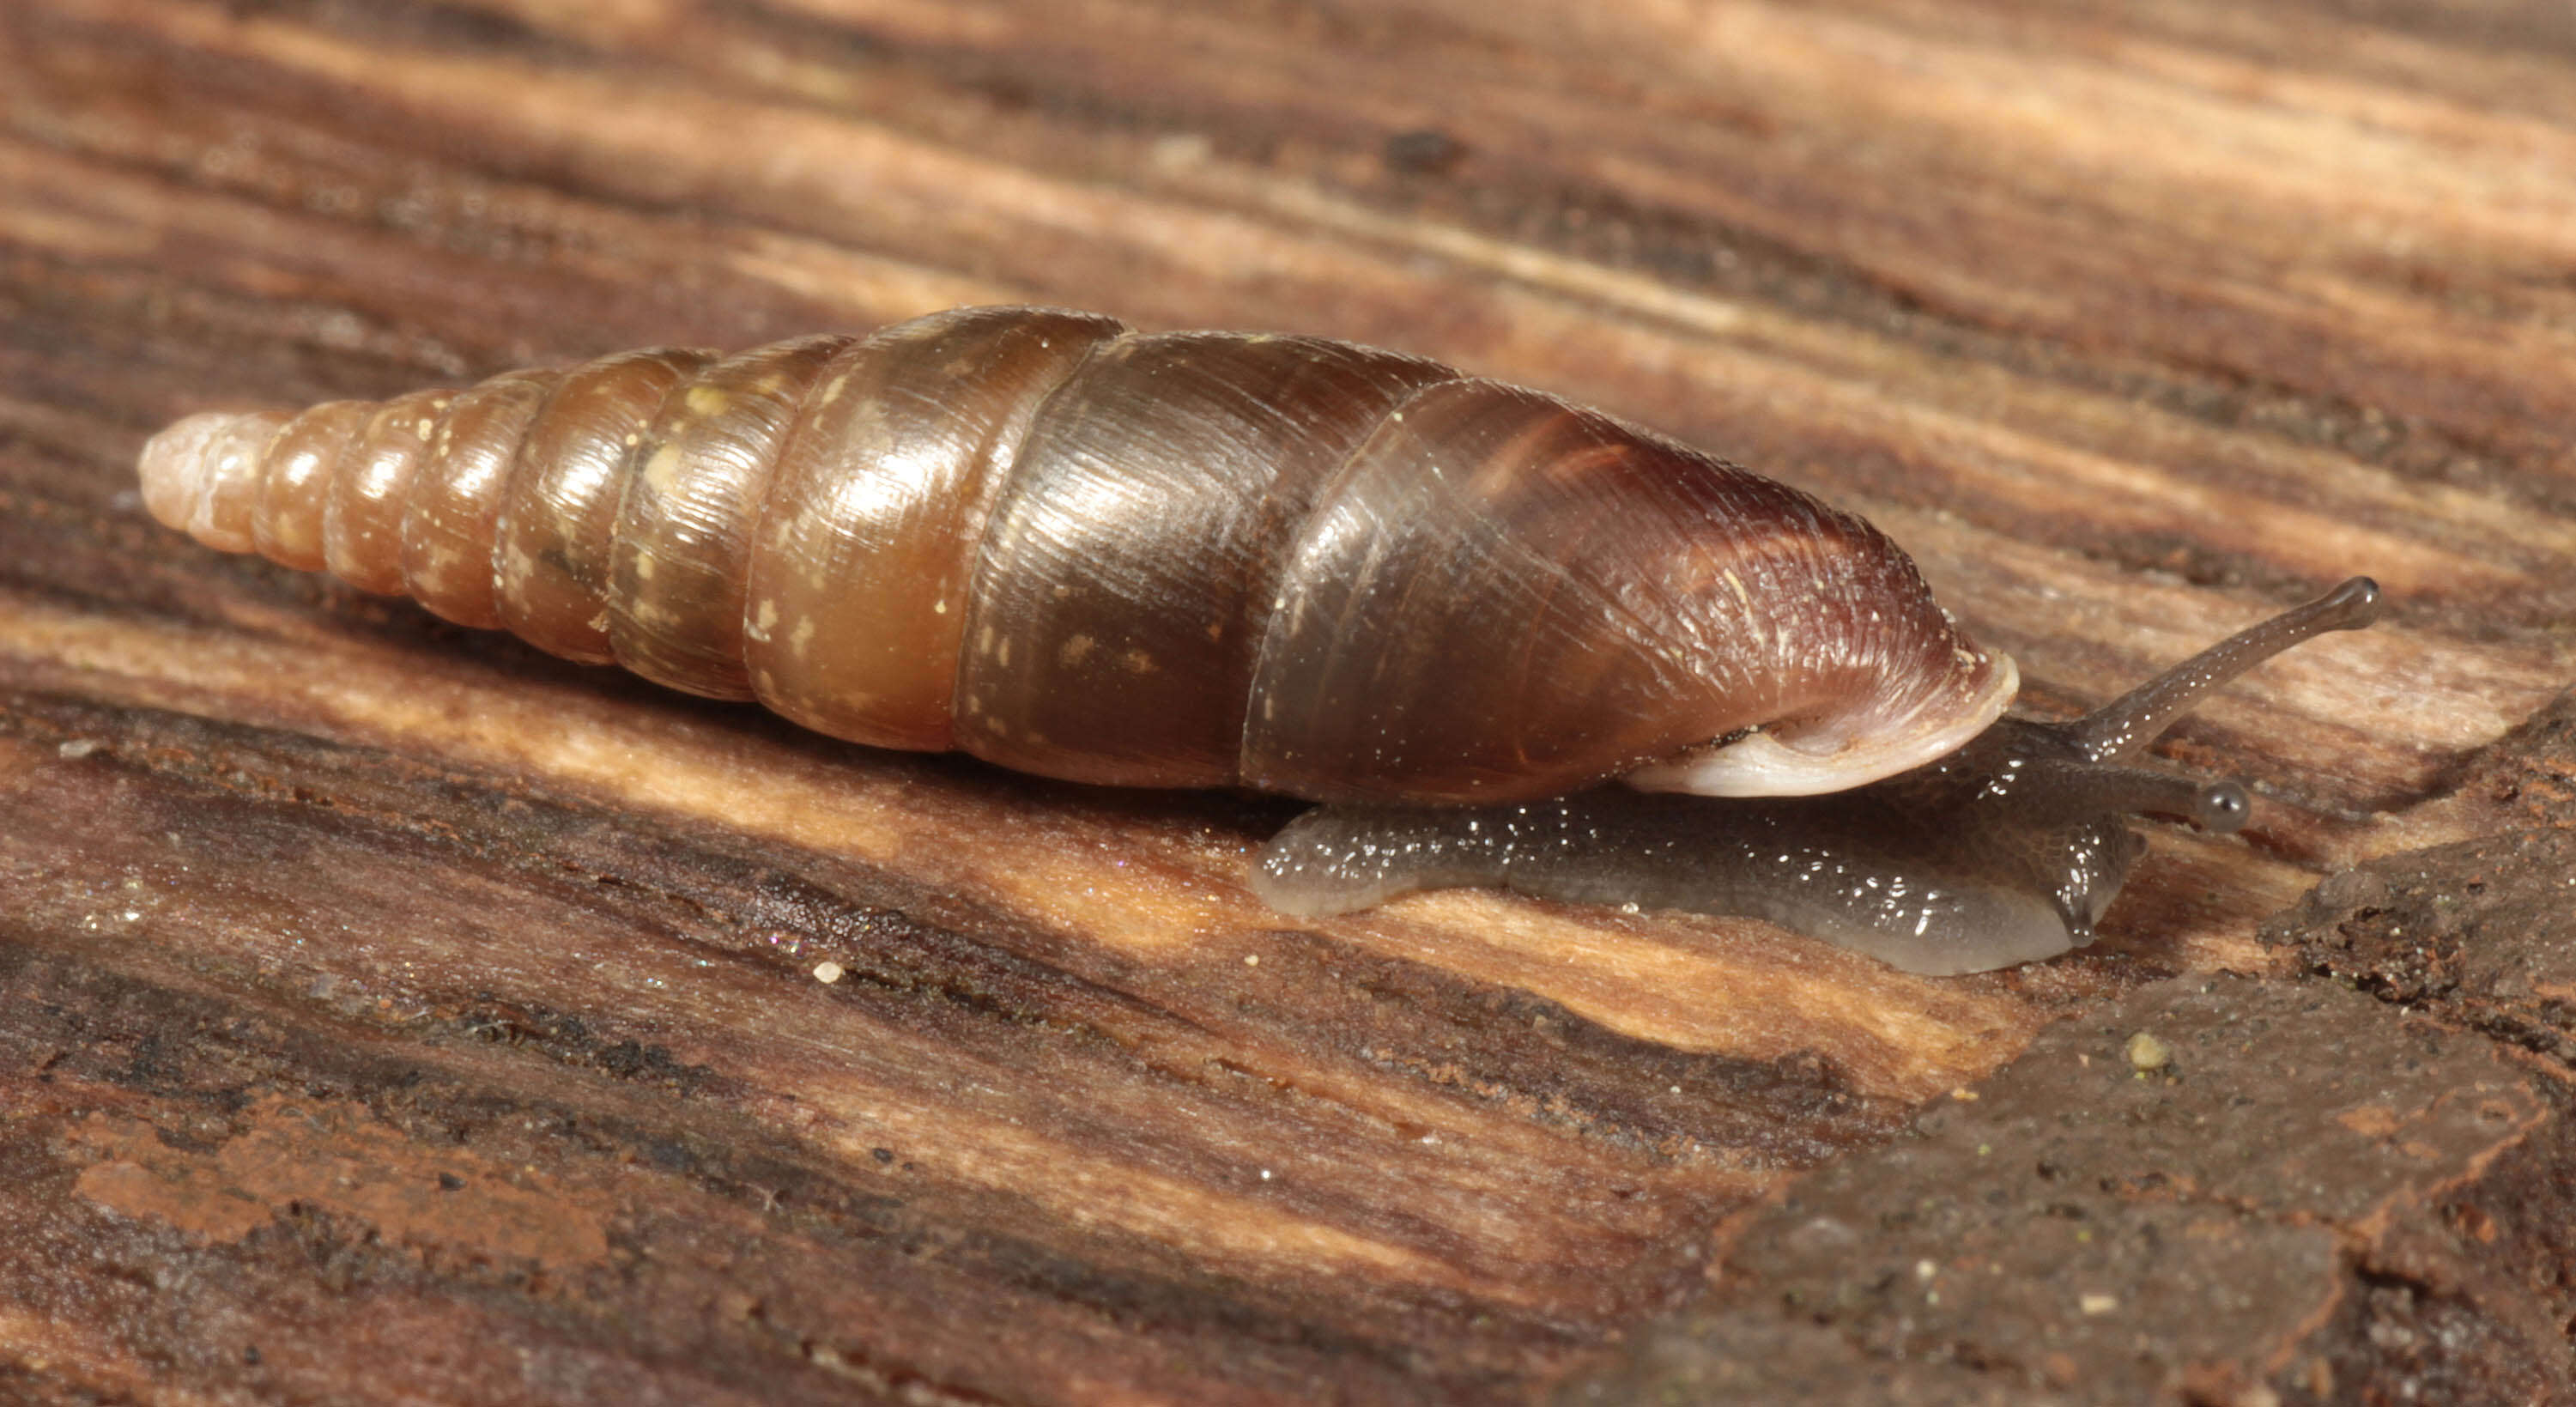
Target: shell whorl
pixel 1179 559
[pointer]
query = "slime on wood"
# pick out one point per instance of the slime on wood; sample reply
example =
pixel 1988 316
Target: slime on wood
pixel 1505 640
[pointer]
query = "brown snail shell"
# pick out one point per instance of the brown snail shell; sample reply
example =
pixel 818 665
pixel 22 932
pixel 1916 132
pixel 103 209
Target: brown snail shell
pixel 1447 606
pixel 1178 559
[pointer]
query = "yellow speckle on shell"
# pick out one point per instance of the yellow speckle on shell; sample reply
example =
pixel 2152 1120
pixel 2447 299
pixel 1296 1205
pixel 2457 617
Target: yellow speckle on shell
pixel 663 469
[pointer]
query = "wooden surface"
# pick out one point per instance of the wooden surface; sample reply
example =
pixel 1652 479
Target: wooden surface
pixel 390 1012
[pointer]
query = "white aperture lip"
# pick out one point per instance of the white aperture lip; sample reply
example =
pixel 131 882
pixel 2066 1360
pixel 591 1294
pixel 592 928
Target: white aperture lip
pixel 1763 764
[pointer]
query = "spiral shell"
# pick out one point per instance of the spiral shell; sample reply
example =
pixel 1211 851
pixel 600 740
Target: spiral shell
pixel 1176 559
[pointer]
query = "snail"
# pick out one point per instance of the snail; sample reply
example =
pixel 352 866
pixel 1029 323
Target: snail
pixel 1449 609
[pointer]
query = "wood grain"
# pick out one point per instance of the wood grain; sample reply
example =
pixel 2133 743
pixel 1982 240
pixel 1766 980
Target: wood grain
pixel 379 993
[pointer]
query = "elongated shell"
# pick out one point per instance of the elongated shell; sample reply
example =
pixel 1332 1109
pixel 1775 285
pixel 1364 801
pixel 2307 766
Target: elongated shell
pixel 1182 559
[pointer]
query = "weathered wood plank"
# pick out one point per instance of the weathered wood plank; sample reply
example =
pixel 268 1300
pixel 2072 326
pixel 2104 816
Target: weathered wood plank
pixel 377 992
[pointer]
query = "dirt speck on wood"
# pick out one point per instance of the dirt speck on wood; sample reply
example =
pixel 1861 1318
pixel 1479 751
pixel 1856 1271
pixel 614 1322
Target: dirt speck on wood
pixel 2321 1190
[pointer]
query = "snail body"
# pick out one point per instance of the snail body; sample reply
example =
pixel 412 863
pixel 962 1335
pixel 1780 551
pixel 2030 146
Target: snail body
pixel 1166 560
pixel 2004 852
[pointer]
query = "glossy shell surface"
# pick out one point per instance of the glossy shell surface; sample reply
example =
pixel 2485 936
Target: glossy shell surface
pixel 1142 559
